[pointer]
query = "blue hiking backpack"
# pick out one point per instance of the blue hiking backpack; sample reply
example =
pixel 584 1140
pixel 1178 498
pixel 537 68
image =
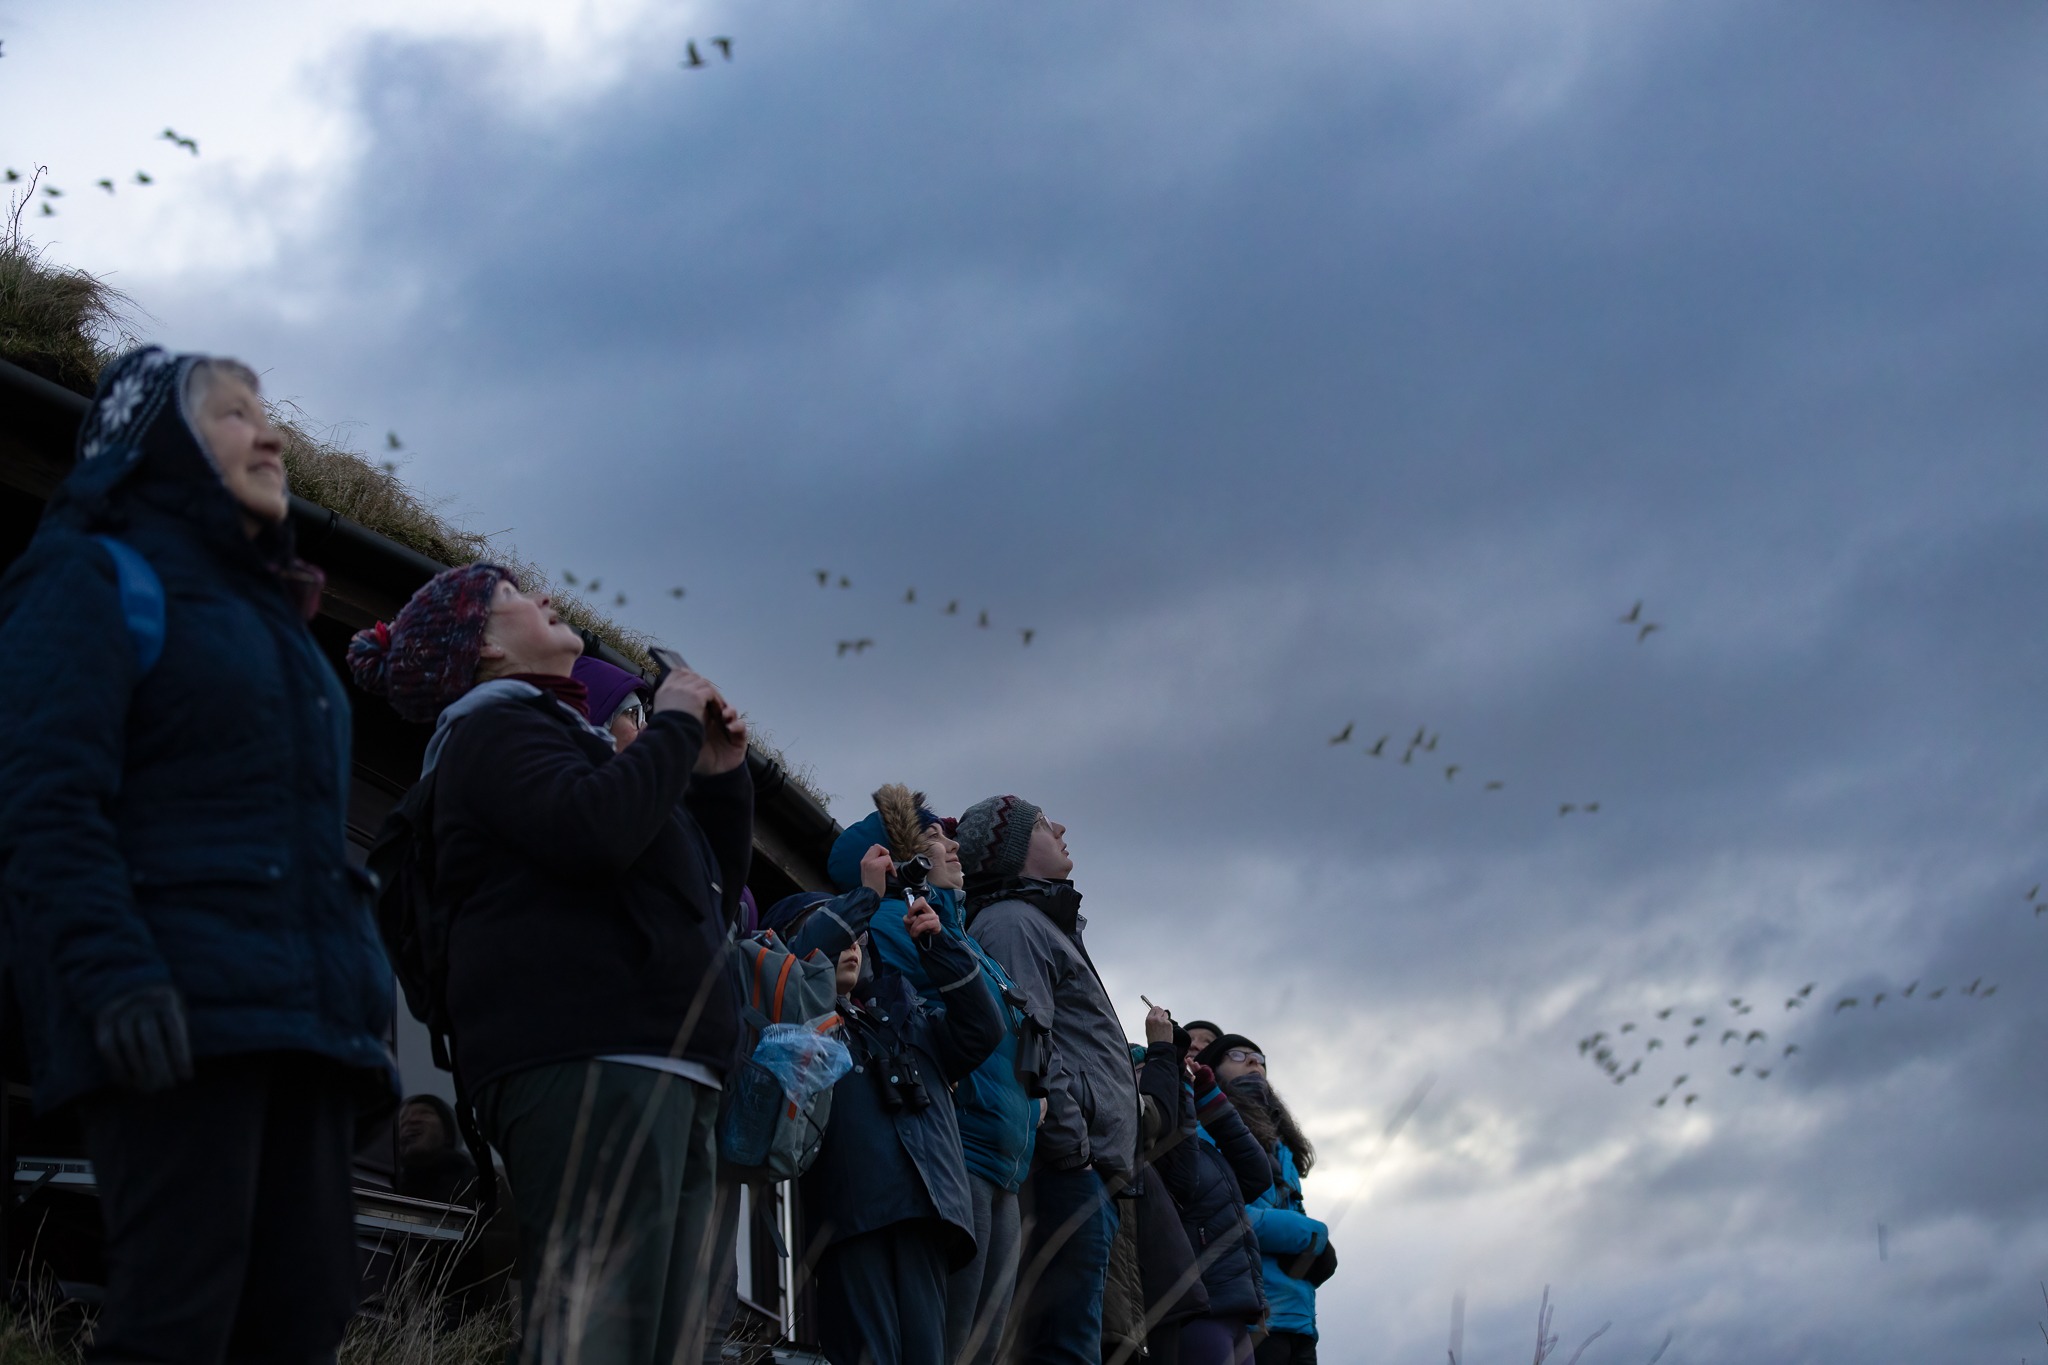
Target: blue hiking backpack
pixel 142 601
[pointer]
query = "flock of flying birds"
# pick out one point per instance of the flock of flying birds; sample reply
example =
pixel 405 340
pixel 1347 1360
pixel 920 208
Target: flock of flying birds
pixel 1425 739
pixel 52 192
pixel 826 578
pixel 1610 1053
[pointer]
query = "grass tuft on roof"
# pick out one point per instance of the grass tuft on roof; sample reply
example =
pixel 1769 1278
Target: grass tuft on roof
pixel 65 325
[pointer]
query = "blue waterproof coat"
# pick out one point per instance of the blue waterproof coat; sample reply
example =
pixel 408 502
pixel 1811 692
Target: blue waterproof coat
pixel 884 1164
pixel 184 827
pixel 998 1121
pixel 1286 1234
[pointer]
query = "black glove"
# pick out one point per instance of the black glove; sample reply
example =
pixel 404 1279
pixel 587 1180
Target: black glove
pixel 141 1037
pixel 1317 1268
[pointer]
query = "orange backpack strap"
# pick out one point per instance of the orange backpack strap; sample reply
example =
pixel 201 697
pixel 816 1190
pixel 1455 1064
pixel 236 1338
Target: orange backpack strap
pixel 782 981
pixel 760 964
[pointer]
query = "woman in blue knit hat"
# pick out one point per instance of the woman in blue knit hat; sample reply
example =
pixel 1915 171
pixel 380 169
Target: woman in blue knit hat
pixel 592 890
pixel 198 970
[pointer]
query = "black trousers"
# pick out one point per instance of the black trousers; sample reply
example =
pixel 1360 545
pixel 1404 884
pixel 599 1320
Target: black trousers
pixel 882 1297
pixel 1287 1348
pixel 229 1212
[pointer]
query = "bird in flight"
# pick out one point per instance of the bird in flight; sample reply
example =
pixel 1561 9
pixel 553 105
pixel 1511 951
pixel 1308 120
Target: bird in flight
pixel 1653 1045
pixel 1763 1073
pixel 1592 808
pixel 724 45
pixel 1727 1034
pixel 1495 785
pixel 1659 1101
pixel 142 178
pixel 619 600
pixel 909 596
pixel 1664 1013
pixel 595 584
pixel 12 175
pixel 982 621
pixel 53 191
pixel 171 135
pixel 676 593
pixel 953 607
pixel 1756 1035
pixel 1736 1070
pixel 1807 989
pixel 1877 1000
pixel 845 582
pixel 2035 892
pixel 106 185
pixel 1379 748
pixel 1689 1099
pixel 1450 772
pixel 392 442
pixel 1343 736
pixel 1935 994
pixel 1681 1080
pixel 1846 1002
pixel 824 576
pixel 1971 989
pixel 1421 733
pixel 1793 1002
pixel 1791 1048
pixel 1566 809
pixel 692 59
pixel 1635 614
pixel 1908 992
pixel 1430 747
pixel 1628 1028
pixel 49 212
pixel 1027 632
pixel 569 578
pixel 1988 992
pixel 1691 1039
pixel 1647 628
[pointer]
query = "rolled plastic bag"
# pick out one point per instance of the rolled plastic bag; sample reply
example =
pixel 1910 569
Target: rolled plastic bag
pixel 804 1060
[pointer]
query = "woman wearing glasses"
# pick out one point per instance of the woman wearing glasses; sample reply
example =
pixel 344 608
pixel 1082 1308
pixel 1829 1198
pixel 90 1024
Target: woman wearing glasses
pixel 619 701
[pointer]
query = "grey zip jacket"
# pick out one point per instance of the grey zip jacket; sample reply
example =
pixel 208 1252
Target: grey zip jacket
pixel 1034 929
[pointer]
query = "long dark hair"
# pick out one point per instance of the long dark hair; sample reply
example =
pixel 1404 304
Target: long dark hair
pixel 1270 1120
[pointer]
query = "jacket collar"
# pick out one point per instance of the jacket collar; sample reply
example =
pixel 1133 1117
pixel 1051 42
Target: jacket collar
pixel 497 692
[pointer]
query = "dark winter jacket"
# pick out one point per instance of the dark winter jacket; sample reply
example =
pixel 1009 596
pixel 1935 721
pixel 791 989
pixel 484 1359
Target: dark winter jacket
pixel 1034 929
pixel 187 827
pixel 1229 1171
pixel 1173 1287
pixel 998 1121
pixel 883 1164
pixel 593 891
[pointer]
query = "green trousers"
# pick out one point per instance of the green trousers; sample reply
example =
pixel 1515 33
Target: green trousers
pixel 612 1168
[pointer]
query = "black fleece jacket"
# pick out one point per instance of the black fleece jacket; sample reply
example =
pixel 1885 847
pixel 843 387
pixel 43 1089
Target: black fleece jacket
pixel 593 889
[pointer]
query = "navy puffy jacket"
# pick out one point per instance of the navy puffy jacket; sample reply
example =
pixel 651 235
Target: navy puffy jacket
pixel 186 827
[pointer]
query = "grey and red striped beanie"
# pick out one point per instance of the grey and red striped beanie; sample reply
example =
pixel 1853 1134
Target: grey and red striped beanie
pixel 994 836
pixel 425 657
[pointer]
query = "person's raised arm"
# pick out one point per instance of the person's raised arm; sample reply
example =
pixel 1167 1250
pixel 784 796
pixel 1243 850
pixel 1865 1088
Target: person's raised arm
pixel 1248 1161
pixel 971 1027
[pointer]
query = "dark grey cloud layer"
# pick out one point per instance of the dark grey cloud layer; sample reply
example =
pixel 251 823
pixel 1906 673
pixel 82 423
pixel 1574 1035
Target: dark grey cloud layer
pixel 1345 363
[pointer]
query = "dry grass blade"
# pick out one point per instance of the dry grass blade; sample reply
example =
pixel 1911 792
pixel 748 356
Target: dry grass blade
pixel 60 324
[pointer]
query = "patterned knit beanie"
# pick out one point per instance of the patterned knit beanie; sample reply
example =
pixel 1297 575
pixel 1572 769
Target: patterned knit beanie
pixel 994 836
pixel 426 657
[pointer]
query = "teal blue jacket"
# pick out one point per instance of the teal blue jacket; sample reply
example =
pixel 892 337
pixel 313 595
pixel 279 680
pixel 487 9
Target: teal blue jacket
pixel 1286 1233
pixel 998 1121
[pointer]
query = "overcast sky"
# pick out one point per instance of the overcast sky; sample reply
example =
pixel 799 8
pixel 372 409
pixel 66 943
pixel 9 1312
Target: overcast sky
pixel 1282 367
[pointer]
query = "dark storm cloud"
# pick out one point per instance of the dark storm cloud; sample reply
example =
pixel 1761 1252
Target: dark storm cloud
pixel 1294 368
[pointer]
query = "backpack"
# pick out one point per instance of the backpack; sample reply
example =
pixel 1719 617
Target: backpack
pixel 413 922
pixel 762 1136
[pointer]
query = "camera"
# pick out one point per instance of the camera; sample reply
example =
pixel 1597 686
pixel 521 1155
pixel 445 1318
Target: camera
pixel 912 876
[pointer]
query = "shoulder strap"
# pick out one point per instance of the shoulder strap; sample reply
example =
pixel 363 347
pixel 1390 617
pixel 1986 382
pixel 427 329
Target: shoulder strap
pixel 142 601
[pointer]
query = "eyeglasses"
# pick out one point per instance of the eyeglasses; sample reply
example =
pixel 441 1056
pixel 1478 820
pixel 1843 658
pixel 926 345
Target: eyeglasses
pixel 1244 1055
pixel 633 711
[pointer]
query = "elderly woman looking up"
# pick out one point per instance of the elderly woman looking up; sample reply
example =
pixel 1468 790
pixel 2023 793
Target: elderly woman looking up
pixel 199 974
pixel 590 890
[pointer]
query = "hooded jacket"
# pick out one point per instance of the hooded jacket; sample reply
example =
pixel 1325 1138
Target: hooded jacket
pixel 883 1164
pixel 187 827
pixel 1286 1234
pixel 1034 928
pixel 998 1121
pixel 593 891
